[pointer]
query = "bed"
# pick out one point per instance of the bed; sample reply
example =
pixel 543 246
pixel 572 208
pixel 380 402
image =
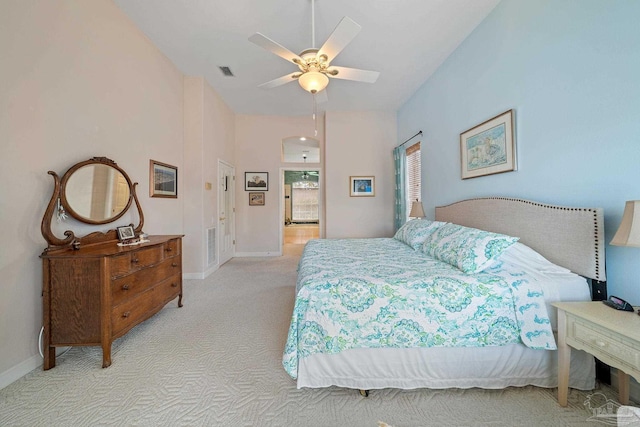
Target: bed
pixel 411 312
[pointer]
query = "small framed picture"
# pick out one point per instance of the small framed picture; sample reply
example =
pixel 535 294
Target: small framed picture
pixel 256 199
pixel 163 180
pixel 256 181
pixel 362 186
pixel 489 147
pixel 126 233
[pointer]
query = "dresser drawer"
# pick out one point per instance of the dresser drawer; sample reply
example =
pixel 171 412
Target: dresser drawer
pixel 602 344
pixel 172 248
pixel 125 287
pixel 139 308
pixel 135 260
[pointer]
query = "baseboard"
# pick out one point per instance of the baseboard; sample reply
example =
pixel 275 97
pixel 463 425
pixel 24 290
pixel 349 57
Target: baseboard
pixel 20 370
pixel 199 276
pixel 257 254
pixel 208 272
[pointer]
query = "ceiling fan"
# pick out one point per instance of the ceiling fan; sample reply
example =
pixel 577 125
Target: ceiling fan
pixel 314 65
pixel 307 174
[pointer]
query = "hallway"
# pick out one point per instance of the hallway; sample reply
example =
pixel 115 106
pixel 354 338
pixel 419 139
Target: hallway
pixel 300 233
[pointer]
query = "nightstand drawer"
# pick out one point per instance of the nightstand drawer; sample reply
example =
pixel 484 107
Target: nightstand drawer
pixel 601 343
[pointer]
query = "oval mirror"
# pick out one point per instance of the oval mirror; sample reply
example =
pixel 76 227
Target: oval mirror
pixel 96 193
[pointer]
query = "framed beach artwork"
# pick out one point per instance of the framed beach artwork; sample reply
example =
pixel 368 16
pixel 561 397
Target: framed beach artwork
pixel 163 180
pixel 362 186
pixel 256 181
pixel 489 147
pixel 256 199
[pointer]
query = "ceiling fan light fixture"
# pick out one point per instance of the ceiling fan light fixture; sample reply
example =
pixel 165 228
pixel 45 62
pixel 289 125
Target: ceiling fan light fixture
pixel 313 81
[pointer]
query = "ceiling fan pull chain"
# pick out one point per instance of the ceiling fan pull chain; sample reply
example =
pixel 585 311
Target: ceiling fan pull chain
pixel 313 24
pixel 315 115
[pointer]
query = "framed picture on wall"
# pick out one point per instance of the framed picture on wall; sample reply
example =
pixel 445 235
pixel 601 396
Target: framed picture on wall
pixel 256 199
pixel 256 181
pixel 362 186
pixel 489 147
pixel 163 180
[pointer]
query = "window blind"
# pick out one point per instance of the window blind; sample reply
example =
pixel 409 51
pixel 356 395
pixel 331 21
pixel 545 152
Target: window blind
pixel 414 178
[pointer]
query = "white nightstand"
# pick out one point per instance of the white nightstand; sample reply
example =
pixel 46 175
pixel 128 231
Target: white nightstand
pixel 612 336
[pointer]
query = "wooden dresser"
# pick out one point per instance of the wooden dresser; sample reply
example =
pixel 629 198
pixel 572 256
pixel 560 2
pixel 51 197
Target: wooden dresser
pixel 97 293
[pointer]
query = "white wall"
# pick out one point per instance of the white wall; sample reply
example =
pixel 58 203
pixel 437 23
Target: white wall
pixel 78 80
pixel 360 144
pixel 209 135
pixel 258 149
pixel 570 70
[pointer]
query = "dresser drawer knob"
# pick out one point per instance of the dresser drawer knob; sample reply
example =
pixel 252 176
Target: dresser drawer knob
pixel 169 249
pixel 600 343
pixel 175 264
pixel 174 285
pixel 125 287
pixel 126 314
pixel 135 260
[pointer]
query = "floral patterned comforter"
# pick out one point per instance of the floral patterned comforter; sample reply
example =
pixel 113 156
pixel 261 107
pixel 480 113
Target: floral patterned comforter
pixel 355 293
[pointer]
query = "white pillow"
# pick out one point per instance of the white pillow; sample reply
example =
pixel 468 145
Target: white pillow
pixel 522 255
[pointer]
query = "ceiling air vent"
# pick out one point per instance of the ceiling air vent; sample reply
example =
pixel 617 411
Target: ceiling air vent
pixel 226 71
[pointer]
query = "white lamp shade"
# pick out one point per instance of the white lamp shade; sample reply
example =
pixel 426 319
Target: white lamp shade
pixel 628 233
pixel 417 211
pixel 313 81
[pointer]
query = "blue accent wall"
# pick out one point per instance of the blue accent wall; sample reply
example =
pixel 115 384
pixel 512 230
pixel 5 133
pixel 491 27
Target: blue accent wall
pixel 571 71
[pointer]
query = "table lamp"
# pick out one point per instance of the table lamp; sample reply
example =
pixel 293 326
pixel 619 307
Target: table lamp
pixel 417 211
pixel 628 233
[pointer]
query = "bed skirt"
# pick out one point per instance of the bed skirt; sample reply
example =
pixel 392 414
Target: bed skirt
pixel 438 368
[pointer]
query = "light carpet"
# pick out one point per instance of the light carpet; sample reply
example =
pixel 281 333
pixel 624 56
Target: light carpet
pixel 217 362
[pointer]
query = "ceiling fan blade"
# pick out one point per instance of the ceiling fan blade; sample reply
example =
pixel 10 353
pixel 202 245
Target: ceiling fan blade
pixel 355 74
pixel 346 31
pixel 322 96
pixel 280 81
pixel 274 47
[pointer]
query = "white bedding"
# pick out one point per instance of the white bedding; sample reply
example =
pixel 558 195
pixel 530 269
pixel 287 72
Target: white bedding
pixel 487 367
pixel 558 283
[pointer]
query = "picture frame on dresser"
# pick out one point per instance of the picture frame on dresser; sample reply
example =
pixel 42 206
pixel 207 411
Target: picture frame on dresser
pixel 125 233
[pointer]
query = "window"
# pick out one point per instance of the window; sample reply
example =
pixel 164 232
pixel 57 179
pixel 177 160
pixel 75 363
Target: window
pixel 304 201
pixel 414 177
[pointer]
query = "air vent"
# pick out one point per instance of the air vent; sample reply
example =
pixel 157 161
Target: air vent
pixel 211 246
pixel 226 71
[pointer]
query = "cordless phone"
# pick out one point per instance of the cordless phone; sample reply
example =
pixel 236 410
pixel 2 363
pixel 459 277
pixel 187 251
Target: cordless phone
pixel 618 303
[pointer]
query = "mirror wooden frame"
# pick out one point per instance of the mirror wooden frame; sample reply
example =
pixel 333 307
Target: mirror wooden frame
pixel 59 195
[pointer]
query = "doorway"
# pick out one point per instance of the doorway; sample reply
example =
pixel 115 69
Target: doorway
pixel 226 212
pixel 301 208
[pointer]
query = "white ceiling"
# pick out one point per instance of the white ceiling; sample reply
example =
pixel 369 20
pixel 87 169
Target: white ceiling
pixel 405 40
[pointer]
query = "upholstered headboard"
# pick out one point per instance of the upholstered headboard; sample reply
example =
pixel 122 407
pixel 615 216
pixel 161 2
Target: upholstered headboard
pixel 570 237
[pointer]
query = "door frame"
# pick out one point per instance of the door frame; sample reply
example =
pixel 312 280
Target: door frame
pixel 281 201
pixel 220 196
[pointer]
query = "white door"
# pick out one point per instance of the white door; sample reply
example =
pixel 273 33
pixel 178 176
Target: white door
pixel 226 212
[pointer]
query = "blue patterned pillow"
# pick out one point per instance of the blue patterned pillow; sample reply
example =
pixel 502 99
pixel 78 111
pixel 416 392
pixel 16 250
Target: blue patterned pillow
pixel 469 249
pixel 414 232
